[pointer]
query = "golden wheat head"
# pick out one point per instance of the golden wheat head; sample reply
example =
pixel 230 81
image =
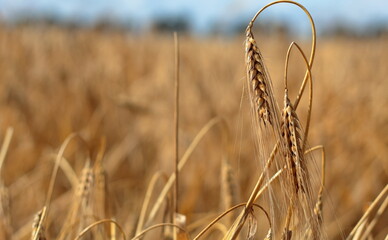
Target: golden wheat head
pixel 257 78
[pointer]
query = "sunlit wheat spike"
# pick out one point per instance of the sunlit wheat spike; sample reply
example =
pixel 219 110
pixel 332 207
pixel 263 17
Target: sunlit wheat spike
pixel 287 235
pixel 318 208
pixel 229 189
pixel 269 235
pixel 257 78
pixel 292 140
pixel 86 183
pixel 38 233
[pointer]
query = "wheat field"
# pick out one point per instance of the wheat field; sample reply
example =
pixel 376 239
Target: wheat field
pixel 116 90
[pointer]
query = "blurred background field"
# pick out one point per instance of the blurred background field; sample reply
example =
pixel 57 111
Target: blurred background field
pixel 106 81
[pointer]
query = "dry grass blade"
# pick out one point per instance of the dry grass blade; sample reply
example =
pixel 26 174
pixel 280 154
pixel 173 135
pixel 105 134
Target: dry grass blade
pixel 217 227
pixel 56 167
pixel 240 221
pixel 382 194
pixel 255 193
pixel 5 146
pixel 360 230
pixel 161 225
pixel 88 228
pixel 58 160
pixel 182 162
pixel 146 201
pixel 51 184
pixel 268 183
pixel 67 169
pixel 375 219
pixel 237 226
pixel 202 233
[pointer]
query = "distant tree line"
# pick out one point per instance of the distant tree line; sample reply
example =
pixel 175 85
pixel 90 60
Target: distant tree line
pixel 168 24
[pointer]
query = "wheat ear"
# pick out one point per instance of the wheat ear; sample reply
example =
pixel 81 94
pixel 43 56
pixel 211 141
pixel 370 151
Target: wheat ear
pixel 257 77
pixel 292 138
pixel 38 231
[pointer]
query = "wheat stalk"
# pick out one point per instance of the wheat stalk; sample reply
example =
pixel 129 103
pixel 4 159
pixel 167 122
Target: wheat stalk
pixel 101 189
pixel 5 214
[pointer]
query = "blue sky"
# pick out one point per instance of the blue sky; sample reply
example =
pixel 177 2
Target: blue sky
pixel 359 14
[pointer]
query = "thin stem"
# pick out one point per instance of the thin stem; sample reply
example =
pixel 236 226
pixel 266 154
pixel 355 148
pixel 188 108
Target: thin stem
pixel 323 166
pixel 257 187
pixel 5 146
pixel 158 226
pixel 176 120
pixel 182 162
pixel 88 228
pixel 227 212
pixel 368 212
pixel 309 77
pixel 313 40
pixel 146 201
pixel 373 223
